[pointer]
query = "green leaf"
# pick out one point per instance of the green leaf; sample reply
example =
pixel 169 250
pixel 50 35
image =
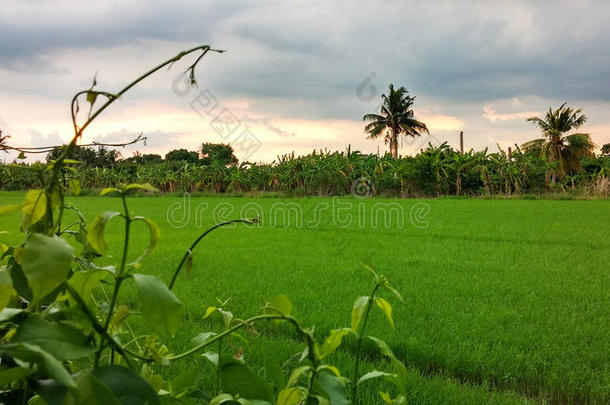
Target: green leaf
pixel 7 292
pixel 333 388
pixel 222 399
pixel 45 261
pixel 202 338
pixel 282 304
pixel 237 379
pixel 155 235
pixel 95 236
pixel 212 357
pixel 386 308
pixel 84 282
pixel 62 341
pixel 297 374
pixel 52 366
pixel 333 341
pixel 386 397
pixel 9 313
pixel 74 186
pixel 34 208
pixel 292 396
pixel 279 303
pixel 128 387
pixel 91 391
pixel 146 187
pixel 109 190
pixel 370 270
pixel 161 308
pixel 14 374
pixel 7 209
pixel 91 97
pixel 273 370
pixel 393 290
pixel 358 312
pixel 372 375
pixel 399 380
pixel 184 382
pixel 50 391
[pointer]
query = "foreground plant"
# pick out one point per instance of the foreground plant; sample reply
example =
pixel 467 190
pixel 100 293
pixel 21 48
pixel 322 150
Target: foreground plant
pixel 65 331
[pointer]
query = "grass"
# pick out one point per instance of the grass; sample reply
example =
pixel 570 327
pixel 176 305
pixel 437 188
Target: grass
pixel 506 300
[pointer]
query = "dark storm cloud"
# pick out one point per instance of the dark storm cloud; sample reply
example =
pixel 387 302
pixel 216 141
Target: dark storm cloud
pixel 456 51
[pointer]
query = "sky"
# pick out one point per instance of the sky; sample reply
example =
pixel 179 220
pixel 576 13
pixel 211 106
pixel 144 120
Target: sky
pixel 299 75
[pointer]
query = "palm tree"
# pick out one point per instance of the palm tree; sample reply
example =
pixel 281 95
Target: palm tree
pixel 396 117
pixel 460 163
pixel 556 146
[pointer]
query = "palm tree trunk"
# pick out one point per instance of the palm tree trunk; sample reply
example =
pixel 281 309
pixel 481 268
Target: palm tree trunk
pixel 394 144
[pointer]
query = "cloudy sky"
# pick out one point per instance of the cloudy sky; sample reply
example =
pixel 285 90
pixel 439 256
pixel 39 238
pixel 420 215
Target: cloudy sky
pixel 299 75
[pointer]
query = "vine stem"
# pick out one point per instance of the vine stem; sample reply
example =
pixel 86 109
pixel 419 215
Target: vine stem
pixel 118 279
pixel 194 245
pixel 97 326
pixel 359 344
pixel 238 326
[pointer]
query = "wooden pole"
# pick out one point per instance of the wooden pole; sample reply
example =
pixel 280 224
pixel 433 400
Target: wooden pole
pixel 510 154
pixel 462 142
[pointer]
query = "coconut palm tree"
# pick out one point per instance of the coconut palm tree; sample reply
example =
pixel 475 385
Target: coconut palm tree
pixel 556 146
pixel 396 117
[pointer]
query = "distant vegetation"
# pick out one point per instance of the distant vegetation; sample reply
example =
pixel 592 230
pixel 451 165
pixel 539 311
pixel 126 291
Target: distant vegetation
pixel 436 171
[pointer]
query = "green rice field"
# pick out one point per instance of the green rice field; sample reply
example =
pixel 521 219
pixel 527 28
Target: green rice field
pixel 506 301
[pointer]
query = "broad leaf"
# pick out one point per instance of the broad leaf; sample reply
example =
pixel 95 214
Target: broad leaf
pixel 273 370
pixel 386 308
pixel 334 388
pixel 279 303
pixel 282 304
pixel 237 379
pixel 34 354
pixel 7 292
pixel 128 387
pixel 358 312
pixel 297 374
pixel 145 187
pixel 222 399
pixel 9 313
pixel 74 186
pixel 292 396
pixel 62 341
pixel 161 308
pixel 372 375
pixel 109 190
pixel 14 374
pixel 155 235
pixel 91 391
pixel 333 341
pixel 34 208
pixel 202 338
pixel 401 371
pixel 84 282
pixel 95 236
pixel 45 261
